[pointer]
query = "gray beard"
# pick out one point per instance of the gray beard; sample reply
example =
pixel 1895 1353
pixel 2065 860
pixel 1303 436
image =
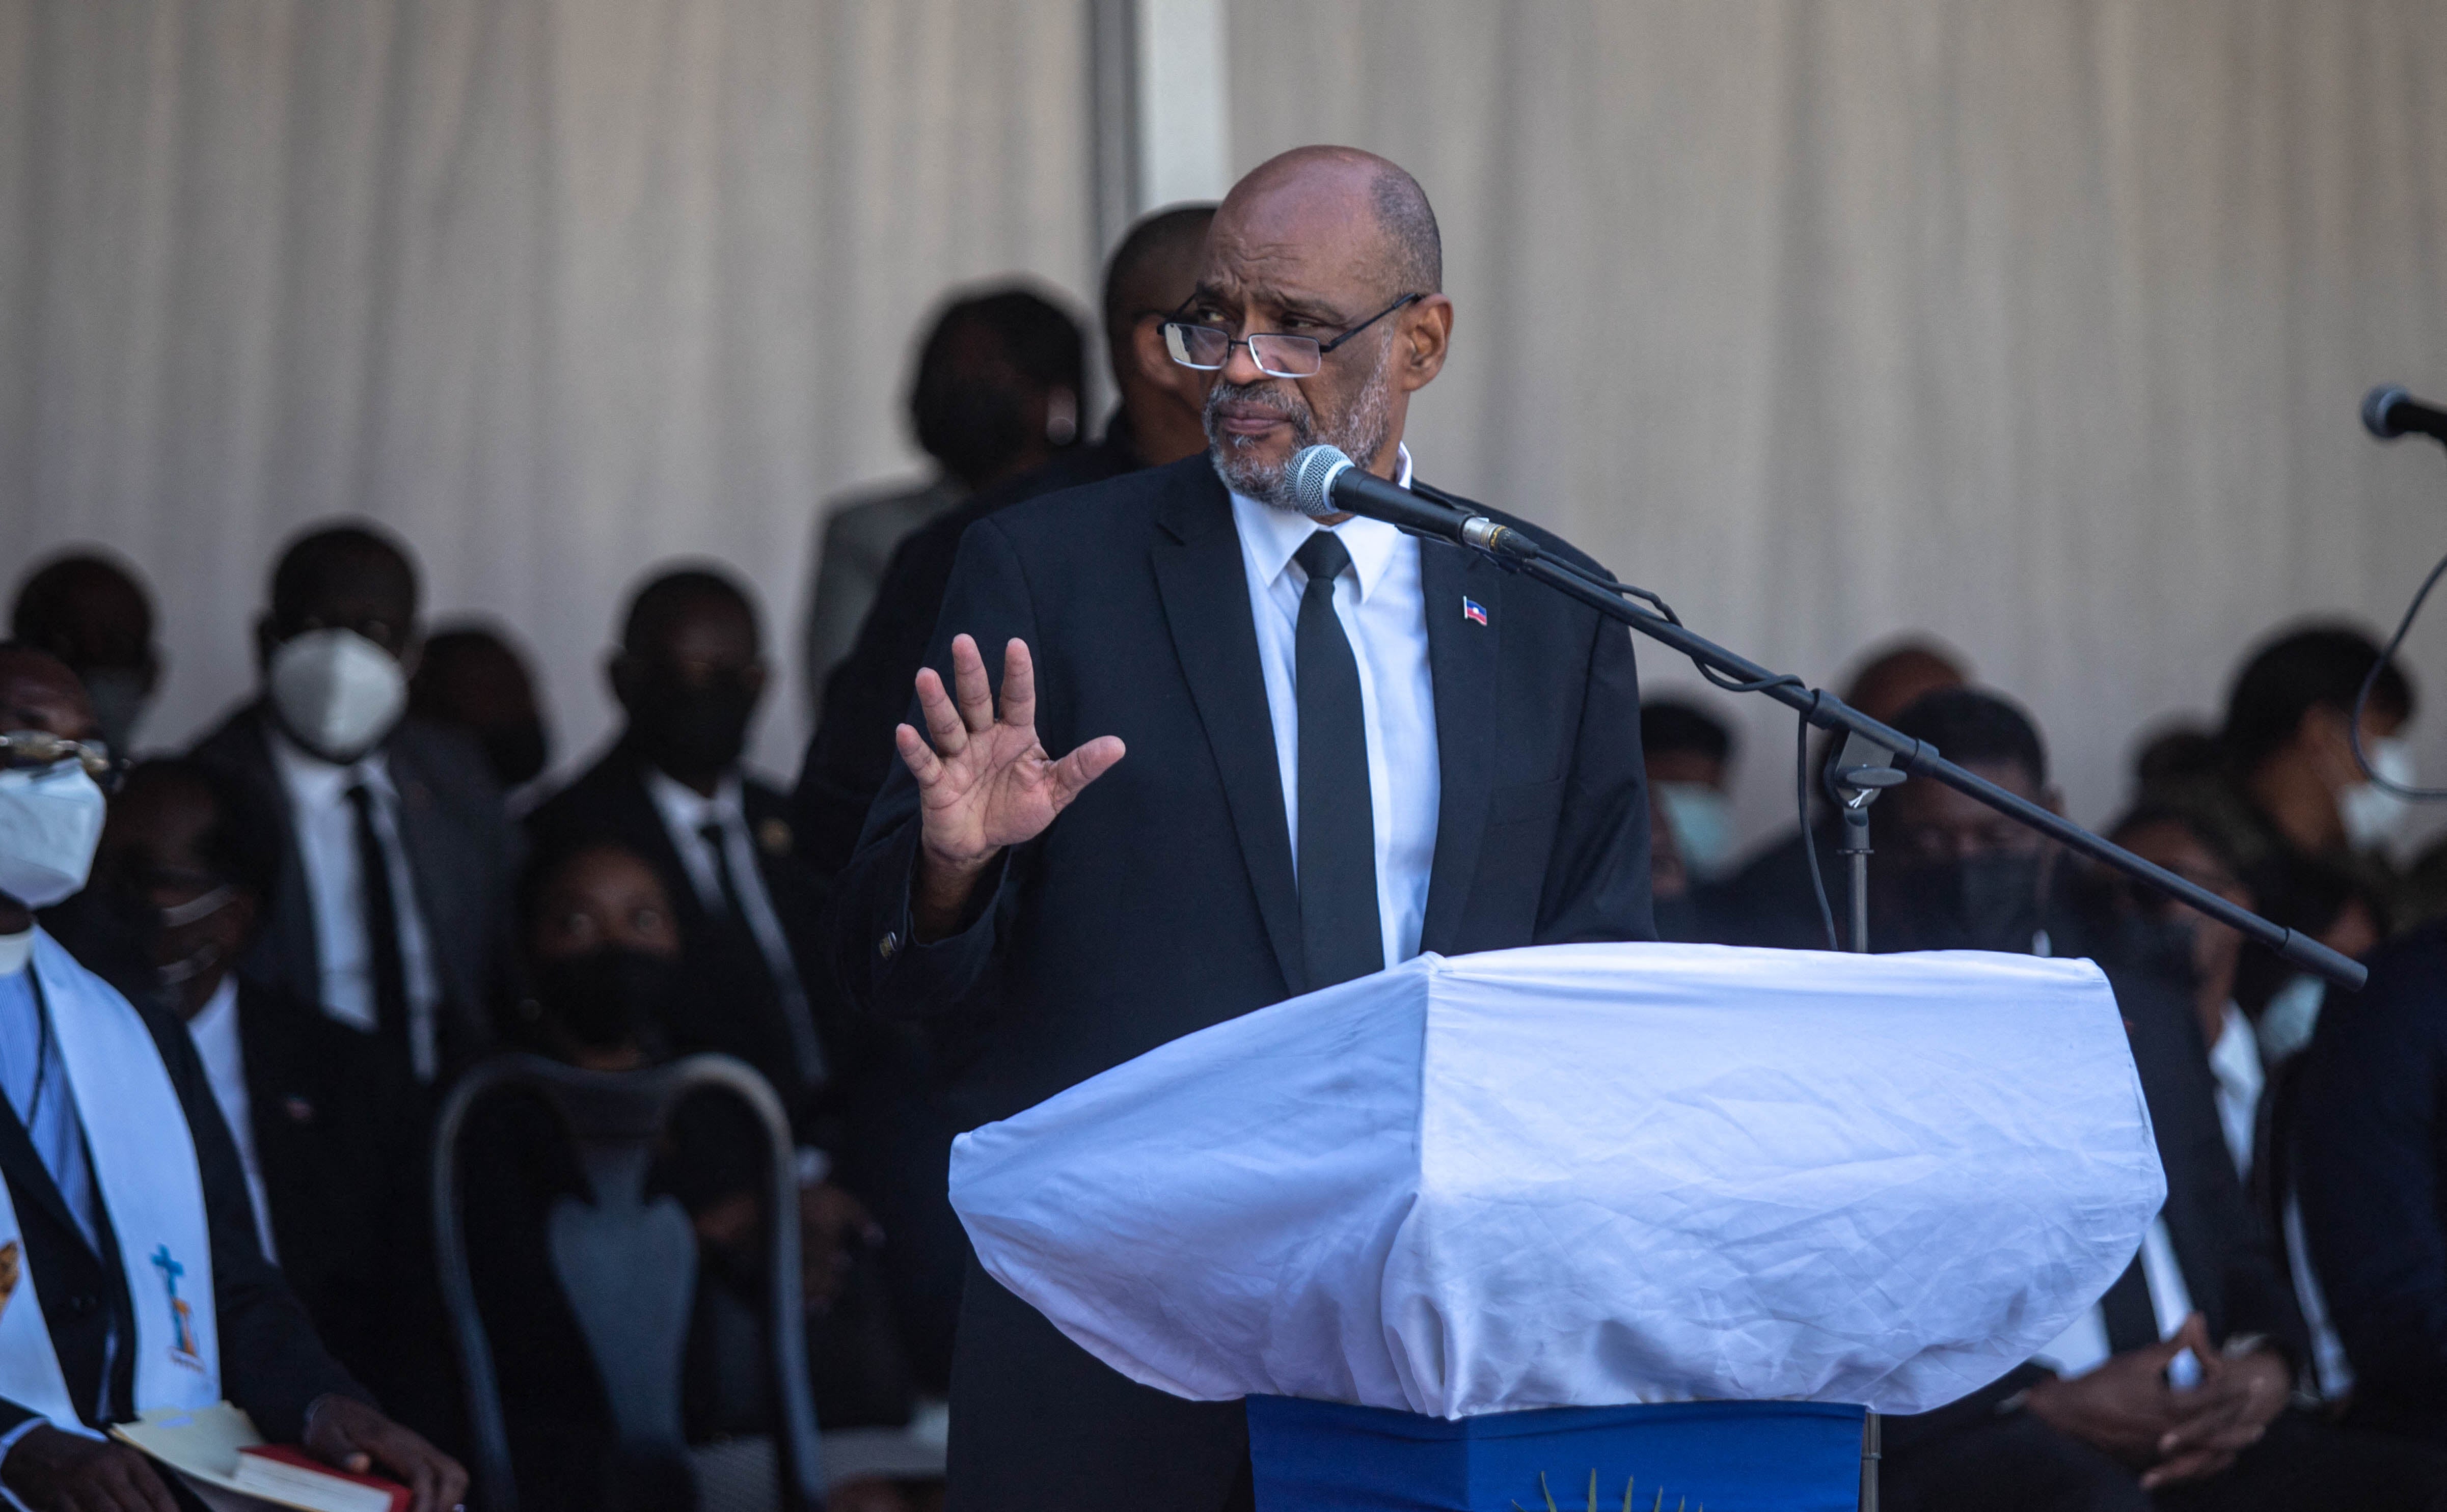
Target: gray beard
pixel 1361 435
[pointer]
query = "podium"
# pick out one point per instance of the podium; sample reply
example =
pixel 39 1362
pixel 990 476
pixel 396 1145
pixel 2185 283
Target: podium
pixel 1654 1212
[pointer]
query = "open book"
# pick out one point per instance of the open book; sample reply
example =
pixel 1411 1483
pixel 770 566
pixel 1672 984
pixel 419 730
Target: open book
pixel 225 1462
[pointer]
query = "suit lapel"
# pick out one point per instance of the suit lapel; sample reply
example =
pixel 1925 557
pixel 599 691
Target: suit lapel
pixel 1463 656
pixel 1205 591
pixel 290 953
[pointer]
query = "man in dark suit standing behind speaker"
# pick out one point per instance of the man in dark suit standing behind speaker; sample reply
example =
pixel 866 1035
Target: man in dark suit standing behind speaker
pixel 1296 751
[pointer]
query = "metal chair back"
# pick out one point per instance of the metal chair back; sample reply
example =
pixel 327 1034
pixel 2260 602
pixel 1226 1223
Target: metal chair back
pixel 626 1263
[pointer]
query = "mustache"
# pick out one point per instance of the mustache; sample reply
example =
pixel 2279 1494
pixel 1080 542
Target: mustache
pixel 1259 396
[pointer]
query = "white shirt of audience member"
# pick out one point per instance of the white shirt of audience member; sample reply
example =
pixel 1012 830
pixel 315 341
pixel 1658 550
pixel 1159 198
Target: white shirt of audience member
pixel 2234 1063
pixel 327 843
pixel 2082 1348
pixel 686 814
pixel 1384 615
pixel 214 1033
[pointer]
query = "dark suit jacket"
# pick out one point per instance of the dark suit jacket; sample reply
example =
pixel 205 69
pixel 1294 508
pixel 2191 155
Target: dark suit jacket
pixel 1162 902
pixel 271 1363
pixel 2370 1141
pixel 733 1004
pixel 339 1132
pixel 459 854
pixel 2226 1255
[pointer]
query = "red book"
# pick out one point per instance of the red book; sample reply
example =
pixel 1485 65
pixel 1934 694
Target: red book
pixel 294 1478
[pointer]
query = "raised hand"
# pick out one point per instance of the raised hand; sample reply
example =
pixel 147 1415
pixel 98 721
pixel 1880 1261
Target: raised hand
pixel 985 782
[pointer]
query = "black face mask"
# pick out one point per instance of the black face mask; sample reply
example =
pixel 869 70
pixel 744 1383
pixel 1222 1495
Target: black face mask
pixel 1985 903
pixel 610 997
pixel 516 753
pixel 974 427
pixel 686 728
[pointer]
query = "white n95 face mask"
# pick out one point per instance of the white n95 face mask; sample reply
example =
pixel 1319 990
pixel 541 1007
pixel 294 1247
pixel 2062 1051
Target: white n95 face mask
pixel 337 692
pixel 2375 818
pixel 50 819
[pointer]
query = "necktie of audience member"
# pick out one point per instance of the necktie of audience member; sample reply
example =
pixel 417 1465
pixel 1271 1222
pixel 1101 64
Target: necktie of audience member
pixel 389 967
pixel 1341 927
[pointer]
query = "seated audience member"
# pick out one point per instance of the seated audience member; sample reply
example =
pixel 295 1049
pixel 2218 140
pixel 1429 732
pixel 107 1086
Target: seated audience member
pixel 1159 419
pixel 470 679
pixel 2174 1390
pixel 2175 756
pixel 395 878
pixel 603 947
pixel 112 1141
pixel 2287 792
pixel 689 676
pixel 1690 815
pixel 92 613
pixel 1770 900
pixel 327 1127
pixel 2342 908
pixel 2176 841
pixel 2368 1128
pixel 997 392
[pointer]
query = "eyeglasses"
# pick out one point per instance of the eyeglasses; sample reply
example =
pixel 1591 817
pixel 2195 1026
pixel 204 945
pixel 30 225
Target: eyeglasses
pixel 1208 348
pixel 27 748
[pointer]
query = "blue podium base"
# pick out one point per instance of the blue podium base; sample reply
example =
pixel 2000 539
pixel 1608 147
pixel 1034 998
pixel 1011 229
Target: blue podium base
pixel 1723 1456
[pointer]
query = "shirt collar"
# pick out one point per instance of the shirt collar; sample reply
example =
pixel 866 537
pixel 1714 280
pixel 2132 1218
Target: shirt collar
pixel 313 780
pixel 15 951
pixel 1272 536
pixel 219 1011
pixel 684 807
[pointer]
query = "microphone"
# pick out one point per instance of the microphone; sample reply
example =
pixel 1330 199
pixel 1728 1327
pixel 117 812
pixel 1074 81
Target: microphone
pixel 2388 412
pixel 1325 481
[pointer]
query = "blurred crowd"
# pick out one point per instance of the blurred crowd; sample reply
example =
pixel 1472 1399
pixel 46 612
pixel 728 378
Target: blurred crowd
pixel 360 883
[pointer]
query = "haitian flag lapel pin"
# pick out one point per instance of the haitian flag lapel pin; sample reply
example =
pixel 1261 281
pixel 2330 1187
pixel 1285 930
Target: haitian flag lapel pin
pixel 1473 609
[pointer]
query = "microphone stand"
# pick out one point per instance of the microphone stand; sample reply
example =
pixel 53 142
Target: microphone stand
pixel 1514 552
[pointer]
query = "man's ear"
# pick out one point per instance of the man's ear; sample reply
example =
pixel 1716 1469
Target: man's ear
pixel 2052 799
pixel 1148 354
pixel 412 653
pixel 1426 337
pixel 759 672
pixel 236 921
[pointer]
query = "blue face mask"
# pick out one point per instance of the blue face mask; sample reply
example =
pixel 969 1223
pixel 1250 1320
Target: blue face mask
pixel 1703 820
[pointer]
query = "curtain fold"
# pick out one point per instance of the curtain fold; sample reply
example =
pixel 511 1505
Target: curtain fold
pixel 2040 327
pixel 556 289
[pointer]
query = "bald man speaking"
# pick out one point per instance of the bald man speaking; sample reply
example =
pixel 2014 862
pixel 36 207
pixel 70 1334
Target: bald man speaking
pixel 1294 752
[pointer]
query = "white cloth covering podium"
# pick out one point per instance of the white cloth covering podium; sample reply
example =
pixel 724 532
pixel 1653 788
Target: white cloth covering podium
pixel 1578 1176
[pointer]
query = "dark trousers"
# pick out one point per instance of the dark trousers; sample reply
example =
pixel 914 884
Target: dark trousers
pixel 2019 1464
pixel 1040 1425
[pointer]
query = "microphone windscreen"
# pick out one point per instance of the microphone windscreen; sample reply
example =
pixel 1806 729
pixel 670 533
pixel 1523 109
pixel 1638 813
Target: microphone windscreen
pixel 2375 405
pixel 1313 473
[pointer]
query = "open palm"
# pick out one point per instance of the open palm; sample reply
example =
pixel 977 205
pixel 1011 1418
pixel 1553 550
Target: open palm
pixel 985 782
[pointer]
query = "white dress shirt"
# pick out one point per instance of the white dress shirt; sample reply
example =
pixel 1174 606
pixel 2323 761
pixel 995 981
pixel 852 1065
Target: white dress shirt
pixel 2235 1061
pixel 213 1029
pixel 327 843
pixel 2082 1348
pixel 1384 615
pixel 685 813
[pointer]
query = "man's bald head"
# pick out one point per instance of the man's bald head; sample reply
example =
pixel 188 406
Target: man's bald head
pixel 1338 247
pixel 1410 257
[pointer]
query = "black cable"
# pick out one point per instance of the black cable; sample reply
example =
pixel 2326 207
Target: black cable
pixel 1809 837
pixel 2370 680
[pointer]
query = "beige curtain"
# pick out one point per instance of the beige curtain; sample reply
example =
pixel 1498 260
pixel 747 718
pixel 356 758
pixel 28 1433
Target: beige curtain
pixel 556 290
pixel 2036 324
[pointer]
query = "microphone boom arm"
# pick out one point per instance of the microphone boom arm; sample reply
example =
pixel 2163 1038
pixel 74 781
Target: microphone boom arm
pixel 1824 709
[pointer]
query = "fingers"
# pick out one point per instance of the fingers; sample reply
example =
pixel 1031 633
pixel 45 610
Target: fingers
pixel 943 722
pixel 969 680
pixel 138 1487
pixel 1018 685
pixel 1076 771
pixel 2193 1467
pixel 916 755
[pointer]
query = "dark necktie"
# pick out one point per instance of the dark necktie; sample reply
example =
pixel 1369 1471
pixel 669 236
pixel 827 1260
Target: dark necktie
pixel 791 998
pixel 2132 1322
pixel 1340 932
pixel 382 924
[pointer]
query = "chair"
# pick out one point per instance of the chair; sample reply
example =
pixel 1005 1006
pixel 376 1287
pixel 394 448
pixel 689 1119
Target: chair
pixel 626 1263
